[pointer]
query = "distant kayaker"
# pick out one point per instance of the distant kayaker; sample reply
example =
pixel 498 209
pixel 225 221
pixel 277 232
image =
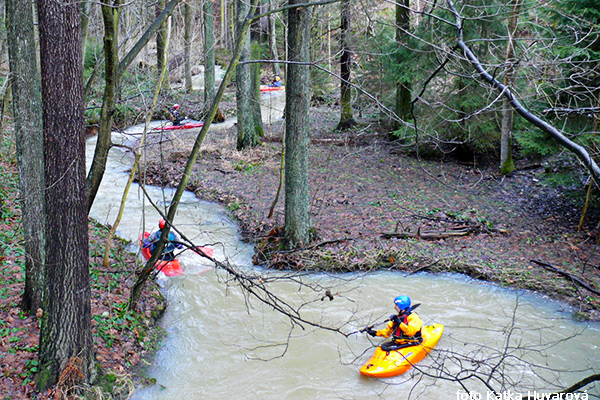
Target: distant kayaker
pixel 276 82
pixel 169 249
pixel 405 327
pixel 174 115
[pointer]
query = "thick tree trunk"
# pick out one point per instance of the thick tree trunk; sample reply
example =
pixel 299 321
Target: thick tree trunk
pixel 346 118
pixel 65 336
pixel 209 53
pixel 187 46
pixel 246 136
pixel 507 165
pixel 27 106
pixel 297 100
pixel 403 88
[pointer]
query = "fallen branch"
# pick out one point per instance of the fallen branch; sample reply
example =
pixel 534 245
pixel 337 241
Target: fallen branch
pixel 566 274
pixel 432 235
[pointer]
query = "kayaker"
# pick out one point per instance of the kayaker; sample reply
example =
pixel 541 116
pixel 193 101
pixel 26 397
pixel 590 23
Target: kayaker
pixel 276 82
pixel 169 249
pixel 405 327
pixel 174 115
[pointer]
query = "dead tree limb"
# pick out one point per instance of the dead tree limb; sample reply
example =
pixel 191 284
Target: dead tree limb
pixel 580 151
pixel 579 281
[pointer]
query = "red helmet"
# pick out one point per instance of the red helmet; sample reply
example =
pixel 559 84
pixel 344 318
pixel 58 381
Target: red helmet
pixel 176 106
pixel 161 223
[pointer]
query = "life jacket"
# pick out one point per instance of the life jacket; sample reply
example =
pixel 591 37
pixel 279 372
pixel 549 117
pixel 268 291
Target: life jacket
pixel 398 333
pixel 169 247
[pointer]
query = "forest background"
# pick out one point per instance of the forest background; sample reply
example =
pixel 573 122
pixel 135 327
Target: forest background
pixel 424 91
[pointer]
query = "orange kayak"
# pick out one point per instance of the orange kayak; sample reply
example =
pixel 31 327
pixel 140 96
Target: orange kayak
pixel 387 363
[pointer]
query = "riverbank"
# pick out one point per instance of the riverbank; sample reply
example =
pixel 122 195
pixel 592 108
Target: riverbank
pixel 373 207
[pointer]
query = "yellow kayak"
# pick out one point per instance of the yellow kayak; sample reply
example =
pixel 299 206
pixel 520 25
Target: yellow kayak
pixel 388 363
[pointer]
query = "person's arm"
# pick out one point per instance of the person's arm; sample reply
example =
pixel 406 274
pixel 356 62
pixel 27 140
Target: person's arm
pixel 413 325
pixel 387 331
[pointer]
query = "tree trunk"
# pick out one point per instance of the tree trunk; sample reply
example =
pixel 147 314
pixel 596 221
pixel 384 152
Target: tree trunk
pixel 256 47
pixel 111 16
pixel 65 335
pixel 209 53
pixel 403 87
pixel 85 7
pixel 259 130
pixel 507 165
pixel 27 106
pixel 346 119
pixel 273 41
pixel 246 136
pixel 297 100
pixel 187 46
pixel 161 35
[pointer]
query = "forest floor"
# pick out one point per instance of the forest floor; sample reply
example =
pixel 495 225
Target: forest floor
pixel 372 206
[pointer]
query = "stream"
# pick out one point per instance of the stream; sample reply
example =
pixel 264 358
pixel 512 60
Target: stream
pixel 223 344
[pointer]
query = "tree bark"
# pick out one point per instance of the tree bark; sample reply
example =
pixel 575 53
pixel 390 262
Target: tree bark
pixel 246 136
pixel 273 41
pixel 297 100
pixel 187 46
pixel 255 68
pixel 507 165
pixel 209 52
pixel 85 7
pixel 161 34
pixel 346 118
pixel 403 87
pixel 65 335
pixel 27 109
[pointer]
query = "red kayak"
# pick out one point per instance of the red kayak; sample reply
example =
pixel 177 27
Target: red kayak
pixel 169 268
pixel 265 88
pixel 189 125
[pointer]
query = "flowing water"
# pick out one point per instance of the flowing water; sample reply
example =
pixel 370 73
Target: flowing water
pixel 223 344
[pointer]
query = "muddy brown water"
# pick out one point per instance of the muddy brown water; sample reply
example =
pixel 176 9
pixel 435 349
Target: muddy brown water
pixel 223 344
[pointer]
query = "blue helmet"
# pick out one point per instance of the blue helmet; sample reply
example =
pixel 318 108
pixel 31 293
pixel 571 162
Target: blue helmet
pixel 403 302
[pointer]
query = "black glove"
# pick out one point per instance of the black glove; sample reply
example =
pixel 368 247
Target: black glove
pixel 371 331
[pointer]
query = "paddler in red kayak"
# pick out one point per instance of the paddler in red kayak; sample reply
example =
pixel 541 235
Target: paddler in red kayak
pixel 169 249
pixel 276 82
pixel 405 327
pixel 174 115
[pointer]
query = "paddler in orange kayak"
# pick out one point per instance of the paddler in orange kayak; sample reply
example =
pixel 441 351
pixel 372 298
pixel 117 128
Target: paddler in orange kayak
pixel 404 327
